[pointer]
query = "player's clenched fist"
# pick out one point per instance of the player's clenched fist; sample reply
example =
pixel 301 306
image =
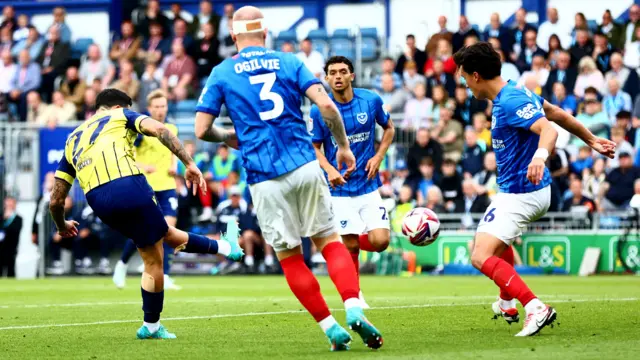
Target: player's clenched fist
pixel 536 170
pixel 335 179
pixel 345 156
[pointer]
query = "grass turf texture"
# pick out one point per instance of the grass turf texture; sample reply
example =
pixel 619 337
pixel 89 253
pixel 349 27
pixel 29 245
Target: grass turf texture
pixel 220 317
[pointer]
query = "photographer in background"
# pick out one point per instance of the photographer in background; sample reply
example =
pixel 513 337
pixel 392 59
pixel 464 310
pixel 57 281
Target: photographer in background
pixel 9 237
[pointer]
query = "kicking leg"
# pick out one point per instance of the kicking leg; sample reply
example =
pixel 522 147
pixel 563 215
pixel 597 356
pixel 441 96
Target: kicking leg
pixel 485 257
pixel 152 288
pixel 120 270
pixel 199 244
pixel 168 259
pixel 343 275
pixel 306 288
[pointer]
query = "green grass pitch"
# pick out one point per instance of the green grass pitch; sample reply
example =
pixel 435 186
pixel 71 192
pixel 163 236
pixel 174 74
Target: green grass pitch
pixel 257 317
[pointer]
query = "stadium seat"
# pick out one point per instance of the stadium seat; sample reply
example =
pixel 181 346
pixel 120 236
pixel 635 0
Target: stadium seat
pixel 369 32
pixel 342 44
pixel 186 106
pixel 285 36
pixel 320 41
pixel 370 44
pixel 80 47
pixel 593 25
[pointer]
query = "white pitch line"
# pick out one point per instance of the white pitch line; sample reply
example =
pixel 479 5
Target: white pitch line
pixel 219 316
pixel 224 299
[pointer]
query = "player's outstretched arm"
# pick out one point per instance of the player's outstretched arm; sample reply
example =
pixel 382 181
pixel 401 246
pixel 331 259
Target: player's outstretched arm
pixel 546 144
pixel 205 130
pixel 56 208
pixel 571 124
pixel 171 141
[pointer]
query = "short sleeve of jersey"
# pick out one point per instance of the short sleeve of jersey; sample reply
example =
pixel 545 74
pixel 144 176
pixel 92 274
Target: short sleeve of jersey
pixel 211 98
pixel 317 133
pixel 304 77
pixel 133 119
pixel 520 110
pixel 382 116
pixel 65 171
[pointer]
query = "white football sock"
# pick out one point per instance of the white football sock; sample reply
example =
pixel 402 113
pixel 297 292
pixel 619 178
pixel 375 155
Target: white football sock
pixel 224 248
pixel 327 323
pixel 152 327
pixel 534 305
pixel 507 304
pixel 269 260
pixel 351 303
pixel 248 260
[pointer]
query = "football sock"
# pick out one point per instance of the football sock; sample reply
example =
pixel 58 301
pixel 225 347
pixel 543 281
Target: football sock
pixel 152 306
pixel 533 305
pixel 200 244
pixel 327 323
pixel 269 260
pixel 305 287
pixel 153 327
pixel 248 260
pixel 341 270
pixel 365 244
pixel 507 256
pixel 168 258
pixel 127 251
pixel 356 261
pixel 506 277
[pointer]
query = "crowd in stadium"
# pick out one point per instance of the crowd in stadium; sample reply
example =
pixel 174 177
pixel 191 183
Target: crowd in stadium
pixel 447 164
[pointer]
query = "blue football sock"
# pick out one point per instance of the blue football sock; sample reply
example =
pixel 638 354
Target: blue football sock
pixel 168 258
pixel 127 252
pixel 200 244
pixel 152 305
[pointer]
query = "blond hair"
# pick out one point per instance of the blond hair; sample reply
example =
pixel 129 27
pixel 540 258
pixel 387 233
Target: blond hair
pixel 155 94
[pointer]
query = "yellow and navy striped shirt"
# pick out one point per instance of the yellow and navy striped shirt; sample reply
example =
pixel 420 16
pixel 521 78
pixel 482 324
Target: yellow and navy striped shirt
pixel 150 151
pixel 101 149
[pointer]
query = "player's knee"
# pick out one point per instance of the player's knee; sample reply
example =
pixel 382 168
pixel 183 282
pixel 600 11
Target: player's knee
pixel 351 242
pixel 380 240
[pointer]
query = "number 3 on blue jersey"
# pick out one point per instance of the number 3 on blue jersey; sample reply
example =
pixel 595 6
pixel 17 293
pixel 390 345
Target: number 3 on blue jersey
pixel 267 80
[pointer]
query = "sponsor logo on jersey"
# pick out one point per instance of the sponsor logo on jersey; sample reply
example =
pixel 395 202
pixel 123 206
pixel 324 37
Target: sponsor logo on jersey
pixel 527 112
pixel 497 144
pixel 355 138
pixel 362 118
pixel 493 122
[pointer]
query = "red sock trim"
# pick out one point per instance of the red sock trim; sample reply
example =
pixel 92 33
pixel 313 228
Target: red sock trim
pixel 305 286
pixel 341 270
pixel 507 279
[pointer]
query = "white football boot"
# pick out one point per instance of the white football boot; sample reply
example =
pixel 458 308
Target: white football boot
pixel 169 284
pixel 540 317
pixel 509 313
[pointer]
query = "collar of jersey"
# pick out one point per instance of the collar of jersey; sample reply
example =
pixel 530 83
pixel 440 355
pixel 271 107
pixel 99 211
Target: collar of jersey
pixel 253 48
pixel 509 83
pixel 340 103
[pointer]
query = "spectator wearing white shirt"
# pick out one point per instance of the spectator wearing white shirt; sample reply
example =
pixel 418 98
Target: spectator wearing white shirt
pixel 589 76
pixel 632 52
pixel 616 101
pixel 7 71
pixel 538 71
pixel 631 26
pixel 411 77
pixel 550 27
pixel 418 110
pixel 312 59
pixel 95 66
pixel 508 71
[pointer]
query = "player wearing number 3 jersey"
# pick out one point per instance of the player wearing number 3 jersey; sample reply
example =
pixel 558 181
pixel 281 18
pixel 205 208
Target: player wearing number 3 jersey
pixel 522 139
pixel 263 90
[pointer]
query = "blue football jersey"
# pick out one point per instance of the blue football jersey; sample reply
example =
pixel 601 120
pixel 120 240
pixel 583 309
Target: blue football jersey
pixel 360 116
pixel 263 90
pixel 515 109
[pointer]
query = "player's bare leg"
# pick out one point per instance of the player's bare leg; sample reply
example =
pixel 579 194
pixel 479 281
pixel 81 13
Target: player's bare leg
pixel 152 288
pixel 247 242
pixel 345 278
pixel 485 257
pixel 168 258
pixel 306 288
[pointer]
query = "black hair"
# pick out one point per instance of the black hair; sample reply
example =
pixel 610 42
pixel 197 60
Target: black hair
pixel 308 39
pixel 388 58
pixel 592 90
pixel 411 36
pixel 480 58
pixel 112 97
pixel 338 60
pixel 623 114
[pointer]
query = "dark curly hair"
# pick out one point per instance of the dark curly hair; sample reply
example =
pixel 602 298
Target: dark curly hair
pixel 480 58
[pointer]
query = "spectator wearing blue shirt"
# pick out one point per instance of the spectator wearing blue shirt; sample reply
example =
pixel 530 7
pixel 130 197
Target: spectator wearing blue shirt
pixel 495 29
pixel 560 98
pixel 33 42
pixel 59 14
pixel 472 157
pixel 388 66
pixel 584 160
pixel 26 78
pixel 616 101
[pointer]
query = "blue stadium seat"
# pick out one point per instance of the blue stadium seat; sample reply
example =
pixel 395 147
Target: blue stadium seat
pixel 186 106
pixel 369 49
pixel 343 47
pixel 341 34
pixel 80 47
pixel 369 32
pixel 320 41
pixel 592 25
pixel 285 36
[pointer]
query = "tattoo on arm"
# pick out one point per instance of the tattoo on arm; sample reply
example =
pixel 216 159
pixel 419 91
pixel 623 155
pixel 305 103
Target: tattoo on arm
pixel 56 204
pixel 168 139
pixel 333 119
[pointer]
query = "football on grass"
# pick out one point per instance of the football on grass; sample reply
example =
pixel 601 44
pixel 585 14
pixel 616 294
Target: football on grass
pixel 422 226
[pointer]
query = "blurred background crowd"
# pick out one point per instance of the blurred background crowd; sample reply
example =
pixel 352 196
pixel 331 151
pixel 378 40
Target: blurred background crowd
pixel 441 159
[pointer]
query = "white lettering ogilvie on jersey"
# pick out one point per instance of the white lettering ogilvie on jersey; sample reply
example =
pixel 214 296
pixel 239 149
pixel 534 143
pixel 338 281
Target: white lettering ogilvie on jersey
pixel 527 112
pixel 257 64
pixel 355 138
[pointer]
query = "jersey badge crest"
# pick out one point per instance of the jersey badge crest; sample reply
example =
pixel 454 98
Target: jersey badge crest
pixel 343 223
pixel 362 118
pixel 493 122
